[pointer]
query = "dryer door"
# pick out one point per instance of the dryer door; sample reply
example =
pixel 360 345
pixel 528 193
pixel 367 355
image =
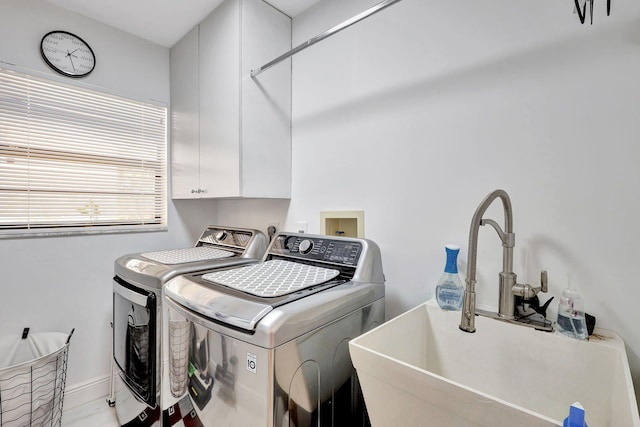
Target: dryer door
pixel 134 338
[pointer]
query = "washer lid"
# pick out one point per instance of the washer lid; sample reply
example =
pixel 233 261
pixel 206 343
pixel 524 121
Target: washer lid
pixel 272 278
pixel 181 256
pixel 216 305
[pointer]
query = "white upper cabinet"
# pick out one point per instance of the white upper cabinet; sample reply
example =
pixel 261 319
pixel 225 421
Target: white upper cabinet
pixel 231 134
pixel 185 123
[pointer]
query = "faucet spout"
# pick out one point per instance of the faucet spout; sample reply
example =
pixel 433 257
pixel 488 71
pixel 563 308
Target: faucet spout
pixel 507 276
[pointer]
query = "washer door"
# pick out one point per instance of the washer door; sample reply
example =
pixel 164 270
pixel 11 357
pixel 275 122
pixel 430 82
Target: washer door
pixel 213 379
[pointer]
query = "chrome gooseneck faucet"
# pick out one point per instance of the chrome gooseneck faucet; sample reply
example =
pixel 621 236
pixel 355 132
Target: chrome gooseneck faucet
pixel 509 289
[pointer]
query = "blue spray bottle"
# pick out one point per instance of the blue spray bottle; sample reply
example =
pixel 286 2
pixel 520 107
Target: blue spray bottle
pixel 576 416
pixel 449 290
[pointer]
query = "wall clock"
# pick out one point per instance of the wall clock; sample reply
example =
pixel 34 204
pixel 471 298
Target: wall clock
pixel 67 54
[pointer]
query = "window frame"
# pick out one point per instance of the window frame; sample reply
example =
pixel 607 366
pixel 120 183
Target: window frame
pixel 159 195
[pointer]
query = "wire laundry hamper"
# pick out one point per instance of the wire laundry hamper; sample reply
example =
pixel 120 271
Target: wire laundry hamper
pixel 33 372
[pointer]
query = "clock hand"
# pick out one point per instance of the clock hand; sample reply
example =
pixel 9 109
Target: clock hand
pixel 69 56
pixel 54 48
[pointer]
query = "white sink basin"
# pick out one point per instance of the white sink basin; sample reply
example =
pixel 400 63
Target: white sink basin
pixel 419 369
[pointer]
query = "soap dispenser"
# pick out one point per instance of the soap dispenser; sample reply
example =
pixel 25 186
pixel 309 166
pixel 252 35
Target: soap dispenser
pixel 571 317
pixel 449 289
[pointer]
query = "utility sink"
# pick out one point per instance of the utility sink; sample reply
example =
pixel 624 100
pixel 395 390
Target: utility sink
pixel 420 369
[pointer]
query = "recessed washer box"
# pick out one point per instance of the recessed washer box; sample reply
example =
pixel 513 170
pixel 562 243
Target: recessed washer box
pixel 342 223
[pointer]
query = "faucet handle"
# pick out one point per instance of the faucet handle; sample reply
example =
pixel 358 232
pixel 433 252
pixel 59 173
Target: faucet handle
pixel 544 287
pixel 527 291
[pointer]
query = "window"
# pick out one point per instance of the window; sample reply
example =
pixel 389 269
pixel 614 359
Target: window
pixel 78 160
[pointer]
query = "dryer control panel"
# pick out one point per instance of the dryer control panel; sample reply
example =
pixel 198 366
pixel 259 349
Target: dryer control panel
pixel 229 237
pixel 315 248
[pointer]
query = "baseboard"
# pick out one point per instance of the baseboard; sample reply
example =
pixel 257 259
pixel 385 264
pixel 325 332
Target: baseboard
pixel 79 394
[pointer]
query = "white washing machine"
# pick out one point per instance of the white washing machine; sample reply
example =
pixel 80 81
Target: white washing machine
pixel 138 313
pixel 266 345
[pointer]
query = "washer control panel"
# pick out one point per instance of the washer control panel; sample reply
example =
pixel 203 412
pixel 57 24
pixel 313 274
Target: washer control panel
pixel 343 251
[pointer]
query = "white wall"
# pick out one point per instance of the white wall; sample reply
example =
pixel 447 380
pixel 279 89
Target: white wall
pixel 414 116
pixel 60 283
pixel 417 113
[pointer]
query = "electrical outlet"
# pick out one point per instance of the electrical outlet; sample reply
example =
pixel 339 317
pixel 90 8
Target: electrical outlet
pixel 302 226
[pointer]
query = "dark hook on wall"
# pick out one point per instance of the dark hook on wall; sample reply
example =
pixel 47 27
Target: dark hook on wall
pixel 582 11
pixel 581 14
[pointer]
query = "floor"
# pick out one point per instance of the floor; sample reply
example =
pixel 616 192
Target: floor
pixel 95 413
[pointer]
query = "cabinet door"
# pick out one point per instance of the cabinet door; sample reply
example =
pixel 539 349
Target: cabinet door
pixel 185 156
pixel 220 101
pixel 266 103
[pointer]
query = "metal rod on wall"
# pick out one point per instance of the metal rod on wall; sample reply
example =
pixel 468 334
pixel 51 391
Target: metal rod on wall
pixel 349 22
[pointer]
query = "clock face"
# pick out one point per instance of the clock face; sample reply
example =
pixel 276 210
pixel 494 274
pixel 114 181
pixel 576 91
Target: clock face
pixel 67 54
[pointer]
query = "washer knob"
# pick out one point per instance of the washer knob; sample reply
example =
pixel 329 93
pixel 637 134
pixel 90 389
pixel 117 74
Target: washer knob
pixel 221 235
pixel 306 246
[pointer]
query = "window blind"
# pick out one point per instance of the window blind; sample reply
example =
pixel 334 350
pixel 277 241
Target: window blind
pixel 74 159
